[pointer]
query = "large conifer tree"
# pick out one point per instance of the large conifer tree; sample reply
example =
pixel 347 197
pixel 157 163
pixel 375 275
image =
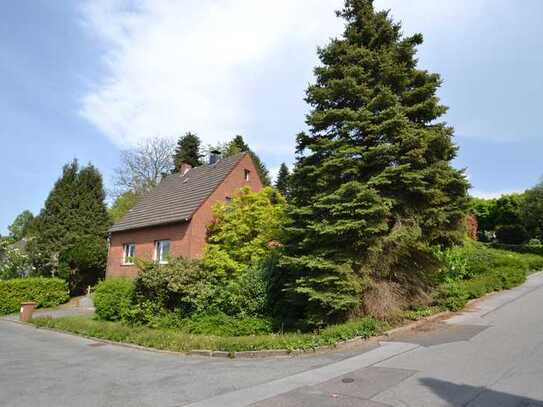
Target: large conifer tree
pixel 71 230
pixel 373 178
pixel 187 151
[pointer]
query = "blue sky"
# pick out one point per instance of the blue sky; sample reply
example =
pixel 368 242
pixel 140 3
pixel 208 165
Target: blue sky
pixel 87 79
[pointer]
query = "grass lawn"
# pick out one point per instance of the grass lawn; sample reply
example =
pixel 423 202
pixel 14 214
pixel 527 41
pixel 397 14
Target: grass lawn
pixel 176 340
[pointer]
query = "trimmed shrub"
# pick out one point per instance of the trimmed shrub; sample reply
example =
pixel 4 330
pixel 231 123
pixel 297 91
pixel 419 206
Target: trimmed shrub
pixel 46 292
pixel 113 298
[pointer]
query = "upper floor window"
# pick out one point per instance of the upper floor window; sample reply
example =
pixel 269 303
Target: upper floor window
pixel 129 252
pixel 162 251
pixel 247 175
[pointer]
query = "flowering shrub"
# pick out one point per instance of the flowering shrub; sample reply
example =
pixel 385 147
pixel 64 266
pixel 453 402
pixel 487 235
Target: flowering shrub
pixel 14 262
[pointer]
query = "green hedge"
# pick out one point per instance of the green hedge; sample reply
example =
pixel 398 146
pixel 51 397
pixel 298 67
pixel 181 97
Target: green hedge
pixel 113 298
pixel 47 292
pixel 520 248
pixel 482 270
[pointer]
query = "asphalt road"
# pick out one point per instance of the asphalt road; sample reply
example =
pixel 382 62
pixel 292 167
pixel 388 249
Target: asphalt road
pixel 489 356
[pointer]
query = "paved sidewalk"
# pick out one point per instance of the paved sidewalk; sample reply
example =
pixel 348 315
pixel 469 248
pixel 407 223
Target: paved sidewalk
pixel 76 306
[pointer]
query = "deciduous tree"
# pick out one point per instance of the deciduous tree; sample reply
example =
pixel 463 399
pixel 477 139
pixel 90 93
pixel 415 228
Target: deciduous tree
pixel 143 167
pixel 122 204
pixel 532 211
pixel 20 226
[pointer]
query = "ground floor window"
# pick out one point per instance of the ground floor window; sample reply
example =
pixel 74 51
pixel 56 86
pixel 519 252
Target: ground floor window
pixel 162 251
pixel 129 252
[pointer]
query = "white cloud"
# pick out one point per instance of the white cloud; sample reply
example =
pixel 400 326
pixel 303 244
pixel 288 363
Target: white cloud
pixel 173 66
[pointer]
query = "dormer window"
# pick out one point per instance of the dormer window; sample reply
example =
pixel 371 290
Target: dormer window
pixel 247 175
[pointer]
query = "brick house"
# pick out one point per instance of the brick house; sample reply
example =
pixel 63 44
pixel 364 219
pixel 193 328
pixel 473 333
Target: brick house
pixel 172 218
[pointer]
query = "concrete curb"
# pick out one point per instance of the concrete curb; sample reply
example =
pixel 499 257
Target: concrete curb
pixel 253 354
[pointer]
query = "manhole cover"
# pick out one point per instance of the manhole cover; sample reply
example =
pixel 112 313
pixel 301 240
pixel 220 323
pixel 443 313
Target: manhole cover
pixel 347 380
pixel 97 344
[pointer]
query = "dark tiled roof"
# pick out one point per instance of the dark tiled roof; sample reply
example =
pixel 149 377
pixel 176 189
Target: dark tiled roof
pixel 177 197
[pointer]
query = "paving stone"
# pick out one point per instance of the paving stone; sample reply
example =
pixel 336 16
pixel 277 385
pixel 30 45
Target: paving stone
pixel 306 397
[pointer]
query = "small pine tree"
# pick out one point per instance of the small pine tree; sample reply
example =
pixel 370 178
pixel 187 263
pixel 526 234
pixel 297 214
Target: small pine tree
pixel 373 173
pixel 71 230
pixel 282 182
pixel 187 151
pixel 238 145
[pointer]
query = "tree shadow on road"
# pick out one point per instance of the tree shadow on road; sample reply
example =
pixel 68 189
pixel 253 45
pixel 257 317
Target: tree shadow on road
pixel 473 396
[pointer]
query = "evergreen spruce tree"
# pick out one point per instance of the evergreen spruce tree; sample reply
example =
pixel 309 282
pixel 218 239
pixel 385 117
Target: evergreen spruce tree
pixel 282 182
pixel 71 231
pixel 187 151
pixel 238 145
pixel 373 186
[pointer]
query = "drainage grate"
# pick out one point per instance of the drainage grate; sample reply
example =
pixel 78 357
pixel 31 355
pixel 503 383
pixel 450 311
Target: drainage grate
pixel 347 380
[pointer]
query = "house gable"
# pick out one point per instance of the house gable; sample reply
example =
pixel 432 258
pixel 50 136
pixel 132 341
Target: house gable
pixel 187 236
pixel 227 189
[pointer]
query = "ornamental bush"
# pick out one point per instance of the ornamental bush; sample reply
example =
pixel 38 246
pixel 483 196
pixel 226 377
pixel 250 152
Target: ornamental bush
pixel 113 298
pixel 183 288
pixel 46 292
pixel 182 285
pixel 14 262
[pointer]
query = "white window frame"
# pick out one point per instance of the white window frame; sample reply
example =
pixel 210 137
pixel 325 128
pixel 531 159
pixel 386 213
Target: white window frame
pixel 159 251
pixel 129 253
pixel 247 175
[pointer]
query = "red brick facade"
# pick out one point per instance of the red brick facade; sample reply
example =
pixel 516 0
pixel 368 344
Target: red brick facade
pixel 187 238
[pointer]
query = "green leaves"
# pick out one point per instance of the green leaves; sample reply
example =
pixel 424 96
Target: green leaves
pixel 373 177
pixel 71 230
pixel 244 230
pixel 47 292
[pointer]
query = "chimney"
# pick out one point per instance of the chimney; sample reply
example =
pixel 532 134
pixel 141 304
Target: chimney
pixel 214 156
pixel 184 168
